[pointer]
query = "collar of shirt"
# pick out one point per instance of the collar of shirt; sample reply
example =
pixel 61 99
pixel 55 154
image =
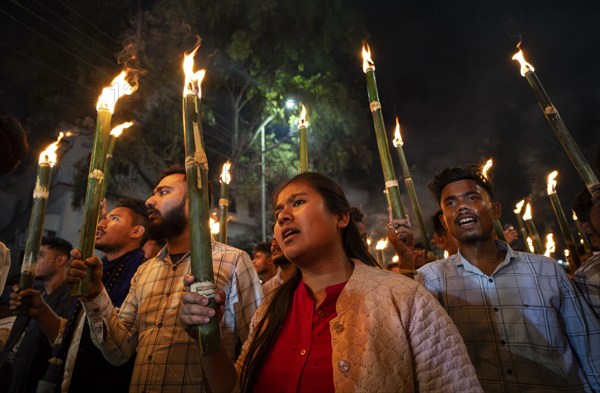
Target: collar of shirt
pixel 459 260
pixel 163 254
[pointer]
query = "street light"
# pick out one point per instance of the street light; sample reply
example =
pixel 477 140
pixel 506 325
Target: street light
pixel 290 103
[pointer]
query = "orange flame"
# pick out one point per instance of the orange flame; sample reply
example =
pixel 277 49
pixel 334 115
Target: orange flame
pixel 193 80
pixel 525 66
pixel 527 215
pixel 366 55
pixel 225 175
pixel 369 241
pixel 446 254
pixel 530 244
pixel 519 206
pixel 397 137
pixel 215 226
pixel 395 258
pixel 48 156
pixel 303 122
pixel 575 216
pixel 550 246
pixel 118 88
pixel 551 188
pixel 566 252
pixel 118 130
pixel 486 168
pixel 381 244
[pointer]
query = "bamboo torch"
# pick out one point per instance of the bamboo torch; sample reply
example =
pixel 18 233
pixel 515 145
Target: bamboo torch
pixel 485 174
pixel 112 140
pixel 91 208
pixel 528 219
pixel 560 129
pixel 550 246
pixel 583 236
pixel 41 192
pixel 380 247
pixel 575 261
pixel 391 182
pixel 303 136
pixel 517 211
pixel 224 202
pixel 196 168
pixel 412 194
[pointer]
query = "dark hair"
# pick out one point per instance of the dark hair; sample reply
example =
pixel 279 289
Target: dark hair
pixel 357 214
pixel 419 246
pixel 582 205
pixel 264 247
pixel 58 244
pixel 139 214
pixel 438 228
pixel 178 169
pixel 269 326
pixel 13 143
pixel 454 174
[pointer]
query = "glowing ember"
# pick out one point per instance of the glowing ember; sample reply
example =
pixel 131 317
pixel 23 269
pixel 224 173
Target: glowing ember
pixel 551 189
pixel 527 215
pixel 395 259
pixel 397 137
pixel 446 254
pixel 225 175
pixel 118 88
pixel 369 241
pixel 485 169
pixel 118 130
pixel 48 156
pixel 215 227
pixel 303 122
pixel 381 244
pixel 519 206
pixel 193 80
pixel 530 244
pixel 575 217
pixel 525 66
pixel 550 246
pixel 366 55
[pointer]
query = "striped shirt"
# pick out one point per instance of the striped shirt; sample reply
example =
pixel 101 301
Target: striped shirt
pixel 587 279
pixel 525 326
pixel 148 321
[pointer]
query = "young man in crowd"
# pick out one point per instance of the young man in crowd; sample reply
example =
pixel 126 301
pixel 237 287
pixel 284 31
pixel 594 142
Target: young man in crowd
pixel 148 321
pixel 285 269
pixel 25 356
pixel 263 263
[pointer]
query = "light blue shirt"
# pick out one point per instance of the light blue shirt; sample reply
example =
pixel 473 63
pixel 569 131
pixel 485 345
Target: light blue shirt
pixel 525 326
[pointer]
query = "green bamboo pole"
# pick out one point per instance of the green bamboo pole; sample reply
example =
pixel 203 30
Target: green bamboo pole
pixel 91 206
pixel 224 203
pixel 412 194
pixel 196 167
pixel 558 126
pixel 583 236
pixel 499 230
pixel 575 260
pixel 389 175
pixel 36 224
pixel 303 136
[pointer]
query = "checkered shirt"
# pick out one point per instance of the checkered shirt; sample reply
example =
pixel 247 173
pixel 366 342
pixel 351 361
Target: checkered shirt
pixel 148 321
pixel 525 326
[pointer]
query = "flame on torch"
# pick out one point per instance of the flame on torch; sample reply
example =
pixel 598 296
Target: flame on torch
pixel 530 244
pixel 527 215
pixel 193 80
pixel 575 217
pixel 48 156
pixel 519 206
pixel 215 226
pixel 397 137
pixel 566 252
pixel 551 189
pixel 446 254
pixel 118 88
pixel 303 122
pixel 369 241
pixel 486 168
pixel 381 244
pixel 550 246
pixel 525 66
pixel 118 130
pixel 225 175
pixel 366 55
pixel 395 258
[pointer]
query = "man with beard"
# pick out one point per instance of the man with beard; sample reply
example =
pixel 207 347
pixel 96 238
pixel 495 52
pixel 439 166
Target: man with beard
pixel 24 358
pixel 525 326
pixel 167 358
pixel 285 269
pixel 587 277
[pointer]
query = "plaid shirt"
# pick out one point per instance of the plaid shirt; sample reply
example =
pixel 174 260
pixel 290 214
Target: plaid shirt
pixel 525 326
pixel 148 321
pixel 587 279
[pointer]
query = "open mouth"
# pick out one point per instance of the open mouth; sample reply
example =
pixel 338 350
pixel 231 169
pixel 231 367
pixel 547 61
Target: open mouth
pixel 99 233
pixel 466 222
pixel 287 233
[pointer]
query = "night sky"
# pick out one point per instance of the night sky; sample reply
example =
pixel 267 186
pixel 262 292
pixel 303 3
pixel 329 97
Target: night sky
pixel 445 69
